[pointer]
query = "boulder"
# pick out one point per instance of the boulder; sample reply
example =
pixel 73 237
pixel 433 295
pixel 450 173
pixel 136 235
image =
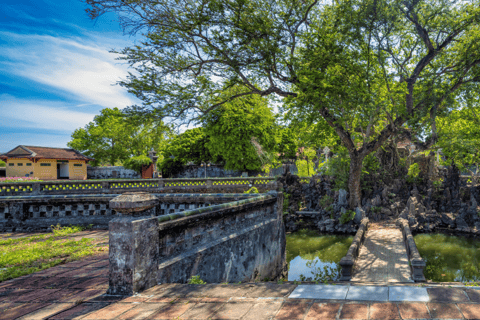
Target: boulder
pixel 342 197
pixel 359 215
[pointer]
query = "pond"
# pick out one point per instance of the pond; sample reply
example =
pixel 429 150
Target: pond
pixel 313 256
pixel 449 258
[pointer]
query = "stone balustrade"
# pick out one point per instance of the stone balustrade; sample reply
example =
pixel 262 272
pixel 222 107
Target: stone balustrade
pixel 417 264
pixel 242 240
pixel 348 261
pixel 221 185
pixel 37 213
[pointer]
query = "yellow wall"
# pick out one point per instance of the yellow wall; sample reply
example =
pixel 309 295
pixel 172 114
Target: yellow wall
pixel 77 173
pixel 19 171
pixel 46 173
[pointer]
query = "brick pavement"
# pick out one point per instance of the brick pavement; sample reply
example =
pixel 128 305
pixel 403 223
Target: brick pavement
pixel 77 290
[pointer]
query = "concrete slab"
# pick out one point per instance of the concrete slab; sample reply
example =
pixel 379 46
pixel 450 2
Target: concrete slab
pixel 408 294
pixel 321 292
pixel 367 293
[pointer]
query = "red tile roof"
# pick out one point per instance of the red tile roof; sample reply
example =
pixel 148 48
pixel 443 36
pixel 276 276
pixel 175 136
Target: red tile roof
pixel 34 152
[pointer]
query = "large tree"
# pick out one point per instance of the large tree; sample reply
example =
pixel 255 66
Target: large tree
pixel 367 67
pixel 241 131
pixel 112 136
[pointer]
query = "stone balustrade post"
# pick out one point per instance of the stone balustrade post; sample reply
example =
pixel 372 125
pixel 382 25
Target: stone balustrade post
pixel 133 245
pixel 36 188
pixel 209 184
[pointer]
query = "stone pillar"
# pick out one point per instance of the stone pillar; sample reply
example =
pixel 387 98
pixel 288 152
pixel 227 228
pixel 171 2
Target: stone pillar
pixel 134 254
pixel 133 244
pixel 36 188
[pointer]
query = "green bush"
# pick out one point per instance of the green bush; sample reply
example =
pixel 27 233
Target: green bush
pixel 136 163
pixel 252 190
pixel 325 201
pixel 375 209
pixel 286 196
pixel 2 163
pixel 196 280
pixel 347 216
pixel 413 173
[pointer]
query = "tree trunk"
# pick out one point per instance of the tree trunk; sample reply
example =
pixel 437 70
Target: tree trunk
pixel 354 188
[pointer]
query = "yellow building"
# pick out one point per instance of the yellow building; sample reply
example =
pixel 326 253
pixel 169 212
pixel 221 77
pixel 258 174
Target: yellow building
pixel 46 163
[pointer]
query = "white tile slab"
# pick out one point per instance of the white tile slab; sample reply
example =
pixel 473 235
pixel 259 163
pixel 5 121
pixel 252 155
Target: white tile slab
pixel 367 293
pixel 408 294
pixel 319 291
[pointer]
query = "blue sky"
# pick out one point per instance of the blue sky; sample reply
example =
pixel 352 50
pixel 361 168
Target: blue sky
pixel 56 72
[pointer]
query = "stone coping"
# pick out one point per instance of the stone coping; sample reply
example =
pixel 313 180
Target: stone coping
pixel 416 261
pixel 348 261
pixel 169 196
pixel 216 208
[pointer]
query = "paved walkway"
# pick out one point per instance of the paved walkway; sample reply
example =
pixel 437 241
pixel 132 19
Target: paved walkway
pixel 382 257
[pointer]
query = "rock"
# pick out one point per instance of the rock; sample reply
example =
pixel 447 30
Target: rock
pixel 377 201
pixel 342 197
pixel 359 215
pixel 473 204
pixel 461 224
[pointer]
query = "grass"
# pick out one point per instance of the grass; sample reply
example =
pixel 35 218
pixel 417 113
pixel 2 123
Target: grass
pixel 23 256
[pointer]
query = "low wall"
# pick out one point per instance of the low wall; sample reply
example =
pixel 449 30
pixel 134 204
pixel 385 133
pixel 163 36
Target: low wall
pixel 237 241
pixel 37 213
pixel 111 173
pixel 417 264
pixel 213 171
pixel 348 261
pixel 225 185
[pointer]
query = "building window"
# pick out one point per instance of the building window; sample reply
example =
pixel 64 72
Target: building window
pixel 77 165
pixel 11 164
pixel 44 164
pixel 19 164
pixel 29 164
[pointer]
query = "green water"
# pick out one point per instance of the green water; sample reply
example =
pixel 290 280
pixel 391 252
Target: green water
pixel 449 258
pixel 313 256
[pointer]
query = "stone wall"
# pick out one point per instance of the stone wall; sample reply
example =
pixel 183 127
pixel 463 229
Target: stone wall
pixel 214 171
pixel 111 173
pixel 236 241
pixel 38 213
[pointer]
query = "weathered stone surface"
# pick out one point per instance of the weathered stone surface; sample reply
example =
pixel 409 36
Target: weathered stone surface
pixel 342 197
pixel 134 254
pixel 131 202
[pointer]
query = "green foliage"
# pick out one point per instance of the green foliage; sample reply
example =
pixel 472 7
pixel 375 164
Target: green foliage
pixel 413 173
pixel 114 137
pixel 136 163
pixel 437 183
pixel 242 131
pixel 339 167
pixel 306 167
pixel 325 274
pixel 2 163
pixel 196 280
pixel 252 190
pixel 189 146
pixel 287 146
pixel 347 216
pixel 459 137
pixel 286 196
pixel 325 201
pixel 375 209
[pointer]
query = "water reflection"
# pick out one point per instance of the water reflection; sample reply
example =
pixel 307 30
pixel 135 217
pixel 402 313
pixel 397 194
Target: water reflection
pixel 449 258
pixel 315 256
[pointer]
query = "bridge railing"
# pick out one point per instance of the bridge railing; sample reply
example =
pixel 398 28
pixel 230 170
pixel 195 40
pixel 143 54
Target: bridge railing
pixel 124 185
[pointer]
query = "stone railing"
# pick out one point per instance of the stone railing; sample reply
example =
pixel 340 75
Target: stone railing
pixel 36 213
pixel 242 240
pixel 417 264
pixel 221 185
pixel 348 261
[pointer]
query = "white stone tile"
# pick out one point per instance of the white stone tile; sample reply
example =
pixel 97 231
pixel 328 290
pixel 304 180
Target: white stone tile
pixel 319 292
pixel 367 293
pixel 408 294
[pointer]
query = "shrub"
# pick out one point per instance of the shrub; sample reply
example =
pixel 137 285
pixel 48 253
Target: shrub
pixel 325 201
pixel 2 163
pixel 286 196
pixel 136 163
pixel 413 172
pixel 347 216
pixel 196 280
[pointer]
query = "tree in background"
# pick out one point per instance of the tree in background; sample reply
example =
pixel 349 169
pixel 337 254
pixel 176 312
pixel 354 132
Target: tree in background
pixel 459 139
pixel 367 67
pixel 2 163
pixel 113 137
pixel 242 132
pixel 189 146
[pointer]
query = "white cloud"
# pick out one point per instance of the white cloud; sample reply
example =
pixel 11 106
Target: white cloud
pixel 39 114
pixel 78 66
